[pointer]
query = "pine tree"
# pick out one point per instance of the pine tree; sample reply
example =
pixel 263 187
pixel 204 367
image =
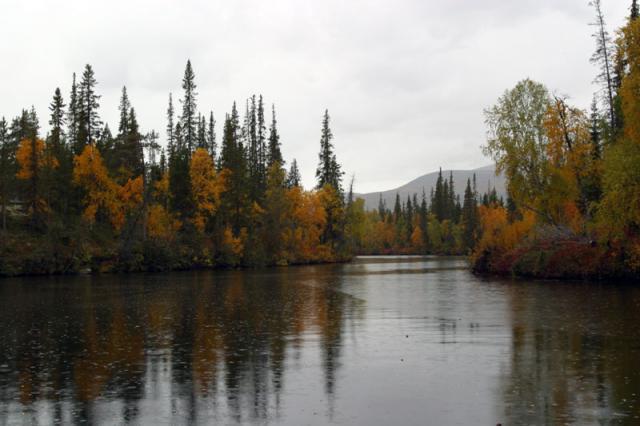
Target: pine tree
pixel 189 118
pixel 470 218
pixel 73 118
pixel 397 209
pixel 180 199
pixel 233 160
pixel 202 132
pixel 124 108
pixel 89 123
pixel 134 151
pixel 171 137
pixel 252 143
pixel 382 209
pixel 424 222
pixel 293 177
pixel 328 171
pixel 57 120
pixel 262 144
pixel 452 203
pixel 59 181
pixel 409 218
pixel 438 198
pixel 274 154
pixel 635 12
pixel 211 136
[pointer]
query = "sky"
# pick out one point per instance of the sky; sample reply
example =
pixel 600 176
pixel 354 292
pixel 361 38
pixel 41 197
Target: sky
pixel 405 81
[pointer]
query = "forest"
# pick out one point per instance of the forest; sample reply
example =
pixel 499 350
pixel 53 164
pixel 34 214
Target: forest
pixel 83 198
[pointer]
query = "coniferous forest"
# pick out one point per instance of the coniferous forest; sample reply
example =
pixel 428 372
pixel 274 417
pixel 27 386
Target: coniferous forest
pixel 220 194
pixel 84 197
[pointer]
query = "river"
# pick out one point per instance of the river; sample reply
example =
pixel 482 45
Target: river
pixel 379 341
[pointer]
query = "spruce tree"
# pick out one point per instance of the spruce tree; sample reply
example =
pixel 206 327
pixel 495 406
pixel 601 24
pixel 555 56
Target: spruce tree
pixel 470 220
pixel 409 218
pixel 171 137
pixel 134 151
pixel 328 171
pixel 89 123
pixel 202 132
pixel 381 208
pixel 635 12
pixel 262 144
pixel 57 119
pixel 211 136
pixel 397 209
pixel 274 155
pixel 424 222
pixel 293 177
pixel 439 198
pixel 59 181
pixel 189 118
pixel 253 149
pixel 124 107
pixel 233 160
pixel 73 118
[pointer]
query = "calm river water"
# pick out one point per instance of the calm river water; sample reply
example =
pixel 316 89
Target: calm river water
pixel 380 341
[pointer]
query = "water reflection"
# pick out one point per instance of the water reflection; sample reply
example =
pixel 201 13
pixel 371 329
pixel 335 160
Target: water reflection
pixel 183 348
pixel 575 355
pixel 380 341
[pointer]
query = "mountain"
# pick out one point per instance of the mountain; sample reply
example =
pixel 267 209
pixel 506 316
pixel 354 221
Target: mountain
pixel 485 178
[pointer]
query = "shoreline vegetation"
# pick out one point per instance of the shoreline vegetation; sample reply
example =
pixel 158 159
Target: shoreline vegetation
pixel 82 198
pixel 573 177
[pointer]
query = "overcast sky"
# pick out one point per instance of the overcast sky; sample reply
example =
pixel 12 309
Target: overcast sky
pixel 405 81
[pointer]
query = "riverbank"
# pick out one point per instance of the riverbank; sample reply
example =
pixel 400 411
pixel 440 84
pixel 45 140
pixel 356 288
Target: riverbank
pixel 568 258
pixel 26 255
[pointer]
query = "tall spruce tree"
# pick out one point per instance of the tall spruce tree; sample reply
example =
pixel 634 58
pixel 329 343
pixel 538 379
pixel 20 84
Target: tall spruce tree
pixel 57 119
pixel 211 136
pixel 438 200
pixel 59 181
pixel 262 144
pixel 134 147
pixel 189 118
pixel 424 222
pixel 329 171
pixel 124 108
pixel 470 218
pixel 202 132
pixel 233 160
pixel 171 137
pixel 73 116
pixel 635 12
pixel 89 123
pixel 274 155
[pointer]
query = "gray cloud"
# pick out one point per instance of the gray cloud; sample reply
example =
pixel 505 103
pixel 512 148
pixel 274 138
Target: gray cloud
pixel 405 81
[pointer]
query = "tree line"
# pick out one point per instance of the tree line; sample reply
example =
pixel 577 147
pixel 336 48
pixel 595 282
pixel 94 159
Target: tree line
pixel 438 223
pixel 84 196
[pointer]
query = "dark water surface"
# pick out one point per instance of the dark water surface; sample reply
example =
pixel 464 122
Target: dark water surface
pixel 381 341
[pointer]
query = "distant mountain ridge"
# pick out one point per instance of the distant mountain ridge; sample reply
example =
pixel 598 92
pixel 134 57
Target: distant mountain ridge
pixel 486 179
